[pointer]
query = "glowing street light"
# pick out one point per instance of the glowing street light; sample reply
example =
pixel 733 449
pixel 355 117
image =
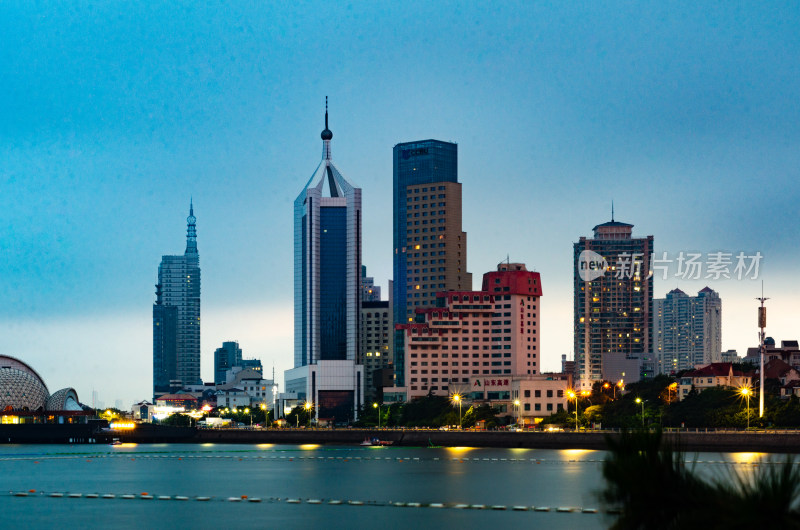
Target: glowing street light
pixel 745 391
pixel 572 395
pixel 516 404
pixel 640 400
pixel 456 398
pixel 377 406
pixel 307 406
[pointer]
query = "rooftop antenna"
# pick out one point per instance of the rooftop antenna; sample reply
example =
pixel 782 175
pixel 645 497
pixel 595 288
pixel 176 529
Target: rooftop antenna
pixel 612 210
pixel 762 323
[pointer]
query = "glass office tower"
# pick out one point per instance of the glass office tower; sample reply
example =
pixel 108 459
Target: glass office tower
pixel 327 291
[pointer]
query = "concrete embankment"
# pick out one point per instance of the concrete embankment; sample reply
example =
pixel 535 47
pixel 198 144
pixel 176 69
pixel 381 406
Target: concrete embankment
pixel 788 442
pixel 713 441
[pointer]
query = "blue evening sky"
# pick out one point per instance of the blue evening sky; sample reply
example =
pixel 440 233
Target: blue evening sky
pixel 113 114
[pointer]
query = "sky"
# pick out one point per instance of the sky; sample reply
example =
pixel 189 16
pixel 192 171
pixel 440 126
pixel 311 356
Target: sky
pixel 113 115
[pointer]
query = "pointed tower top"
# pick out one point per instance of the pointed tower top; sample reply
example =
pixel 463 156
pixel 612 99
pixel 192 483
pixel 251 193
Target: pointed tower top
pixel 191 230
pixel 326 134
pixel 612 210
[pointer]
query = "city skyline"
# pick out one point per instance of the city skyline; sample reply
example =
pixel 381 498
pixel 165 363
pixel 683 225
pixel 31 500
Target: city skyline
pixel 684 117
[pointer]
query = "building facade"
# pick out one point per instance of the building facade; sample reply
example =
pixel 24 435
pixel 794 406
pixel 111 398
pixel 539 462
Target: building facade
pixel 376 347
pixel 613 298
pixel 176 317
pixel 471 336
pixel 687 330
pixel 369 291
pixel 327 291
pixel 430 247
pixel 225 358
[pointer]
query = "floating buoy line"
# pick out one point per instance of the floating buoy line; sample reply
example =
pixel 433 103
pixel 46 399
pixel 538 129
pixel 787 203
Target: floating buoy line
pixel 299 501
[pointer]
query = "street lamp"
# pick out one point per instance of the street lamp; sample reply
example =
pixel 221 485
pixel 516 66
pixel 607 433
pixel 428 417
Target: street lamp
pixel 307 405
pixel 571 394
pixel 745 391
pixel 377 406
pixel 456 398
pixel 640 400
pixel 516 404
pixel 247 411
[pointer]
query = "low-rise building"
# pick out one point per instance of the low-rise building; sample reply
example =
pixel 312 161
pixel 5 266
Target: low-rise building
pixel 788 352
pixel 246 388
pixel 711 376
pixel 539 396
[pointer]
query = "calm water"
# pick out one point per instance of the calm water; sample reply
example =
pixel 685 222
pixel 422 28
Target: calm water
pixel 276 473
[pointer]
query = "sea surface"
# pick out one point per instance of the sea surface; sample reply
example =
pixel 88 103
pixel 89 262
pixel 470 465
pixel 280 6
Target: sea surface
pixel 179 486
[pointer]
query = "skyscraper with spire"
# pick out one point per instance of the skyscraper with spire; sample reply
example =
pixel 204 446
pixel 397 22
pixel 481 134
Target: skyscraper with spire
pixel 327 291
pixel 176 317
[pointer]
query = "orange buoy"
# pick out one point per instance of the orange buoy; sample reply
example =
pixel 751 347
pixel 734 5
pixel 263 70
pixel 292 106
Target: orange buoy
pixel 31 491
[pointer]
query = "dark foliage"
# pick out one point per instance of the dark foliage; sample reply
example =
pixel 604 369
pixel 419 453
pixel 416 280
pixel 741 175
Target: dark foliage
pixel 650 485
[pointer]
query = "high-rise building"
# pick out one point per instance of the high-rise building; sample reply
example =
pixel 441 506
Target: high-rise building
pixel 225 358
pixel 327 292
pixel 176 317
pixel 613 298
pixel 687 330
pixel 430 247
pixel 377 335
pixel 369 291
pixel 471 339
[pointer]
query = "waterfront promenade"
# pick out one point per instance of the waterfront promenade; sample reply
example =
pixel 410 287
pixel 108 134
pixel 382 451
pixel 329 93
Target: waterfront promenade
pixel 688 440
pixel 701 440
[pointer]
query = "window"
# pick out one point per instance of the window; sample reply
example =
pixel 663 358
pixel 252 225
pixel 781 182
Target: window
pixel 527 394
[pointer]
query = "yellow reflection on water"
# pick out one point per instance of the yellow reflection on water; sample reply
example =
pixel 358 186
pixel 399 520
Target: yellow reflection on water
pixel 126 445
pixel 520 450
pixel 459 450
pixel 747 458
pixel 574 453
pixel 208 444
pixel 264 446
pixel 309 447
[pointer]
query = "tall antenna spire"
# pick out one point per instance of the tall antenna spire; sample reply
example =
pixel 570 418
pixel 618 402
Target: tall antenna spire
pixel 612 210
pixel 326 135
pixel 762 323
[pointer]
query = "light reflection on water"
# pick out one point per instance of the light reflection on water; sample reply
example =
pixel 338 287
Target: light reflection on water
pixel 383 475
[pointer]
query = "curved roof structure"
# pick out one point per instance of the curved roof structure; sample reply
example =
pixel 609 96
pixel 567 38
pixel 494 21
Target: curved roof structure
pixel 21 390
pixel 6 361
pixel 64 399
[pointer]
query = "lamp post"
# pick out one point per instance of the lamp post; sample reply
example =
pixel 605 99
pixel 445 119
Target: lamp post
pixel 308 406
pixel 457 399
pixel 571 394
pixel 745 391
pixel 640 400
pixel 377 406
pixel 516 405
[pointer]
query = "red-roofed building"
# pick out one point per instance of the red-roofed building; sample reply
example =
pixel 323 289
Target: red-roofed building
pixel 475 335
pixel 711 376
pixel 187 401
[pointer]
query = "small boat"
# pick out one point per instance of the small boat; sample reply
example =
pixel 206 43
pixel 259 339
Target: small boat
pixel 366 442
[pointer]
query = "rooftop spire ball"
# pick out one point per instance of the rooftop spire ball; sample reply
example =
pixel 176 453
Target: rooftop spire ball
pixel 326 134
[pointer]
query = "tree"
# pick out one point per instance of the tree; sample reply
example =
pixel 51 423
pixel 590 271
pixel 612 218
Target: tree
pixel 648 482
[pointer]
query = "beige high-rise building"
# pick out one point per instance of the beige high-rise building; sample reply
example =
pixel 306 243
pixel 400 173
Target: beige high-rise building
pixel 430 247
